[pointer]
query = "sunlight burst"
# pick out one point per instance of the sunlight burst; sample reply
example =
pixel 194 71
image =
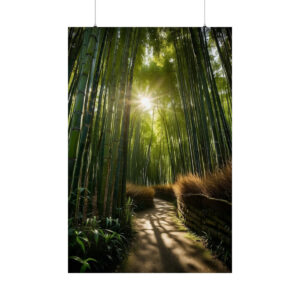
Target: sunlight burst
pixel 146 102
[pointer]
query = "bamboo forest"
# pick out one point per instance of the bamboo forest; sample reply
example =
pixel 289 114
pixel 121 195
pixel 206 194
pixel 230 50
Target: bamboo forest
pixel 149 149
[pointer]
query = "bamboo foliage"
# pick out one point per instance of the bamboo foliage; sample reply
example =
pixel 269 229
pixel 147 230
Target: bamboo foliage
pixel 187 73
pixel 101 64
pixel 222 38
pixel 79 102
pixel 193 124
pixel 204 112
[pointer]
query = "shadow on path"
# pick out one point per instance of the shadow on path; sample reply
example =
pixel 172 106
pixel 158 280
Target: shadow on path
pixel 161 246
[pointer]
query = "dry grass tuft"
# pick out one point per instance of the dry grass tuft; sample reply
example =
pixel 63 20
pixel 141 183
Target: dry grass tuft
pixel 216 185
pixel 199 194
pixel 165 192
pixel 142 196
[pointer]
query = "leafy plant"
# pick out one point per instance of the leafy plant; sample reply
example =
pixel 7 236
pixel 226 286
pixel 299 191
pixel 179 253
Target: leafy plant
pixel 98 241
pixel 84 263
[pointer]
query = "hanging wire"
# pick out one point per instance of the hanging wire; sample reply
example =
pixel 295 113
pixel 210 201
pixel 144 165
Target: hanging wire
pixel 204 13
pixel 95 1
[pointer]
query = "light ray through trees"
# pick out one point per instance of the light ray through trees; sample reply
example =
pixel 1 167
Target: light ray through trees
pixel 145 105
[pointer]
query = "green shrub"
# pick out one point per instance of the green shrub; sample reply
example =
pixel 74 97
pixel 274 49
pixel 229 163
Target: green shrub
pixel 98 245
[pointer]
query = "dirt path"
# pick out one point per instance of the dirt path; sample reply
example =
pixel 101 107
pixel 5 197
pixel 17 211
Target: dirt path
pixel 162 246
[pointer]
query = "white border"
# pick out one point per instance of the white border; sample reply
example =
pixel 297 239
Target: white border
pixel 33 160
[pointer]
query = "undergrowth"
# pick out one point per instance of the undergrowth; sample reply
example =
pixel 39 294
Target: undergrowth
pixel 217 249
pixel 142 196
pixel 216 185
pixel 165 192
pixel 190 189
pixel 99 245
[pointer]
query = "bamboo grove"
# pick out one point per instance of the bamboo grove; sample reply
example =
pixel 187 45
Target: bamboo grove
pixel 113 139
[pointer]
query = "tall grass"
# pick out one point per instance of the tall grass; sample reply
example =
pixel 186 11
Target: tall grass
pixel 142 196
pixel 165 192
pixel 215 185
pixel 204 197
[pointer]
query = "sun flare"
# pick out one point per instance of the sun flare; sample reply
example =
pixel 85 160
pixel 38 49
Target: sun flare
pixel 146 102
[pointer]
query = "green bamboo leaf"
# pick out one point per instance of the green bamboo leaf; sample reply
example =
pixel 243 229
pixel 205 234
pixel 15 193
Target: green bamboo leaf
pixel 91 259
pixel 84 266
pixel 77 259
pixel 80 243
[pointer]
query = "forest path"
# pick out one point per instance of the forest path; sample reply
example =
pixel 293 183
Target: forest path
pixel 161 245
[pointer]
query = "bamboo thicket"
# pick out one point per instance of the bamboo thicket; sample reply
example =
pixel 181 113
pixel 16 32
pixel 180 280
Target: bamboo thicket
pixel 101 64
pixel 186 72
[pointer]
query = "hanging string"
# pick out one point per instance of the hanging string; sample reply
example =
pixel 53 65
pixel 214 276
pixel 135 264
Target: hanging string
pixel 204 14
pixel 95 13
